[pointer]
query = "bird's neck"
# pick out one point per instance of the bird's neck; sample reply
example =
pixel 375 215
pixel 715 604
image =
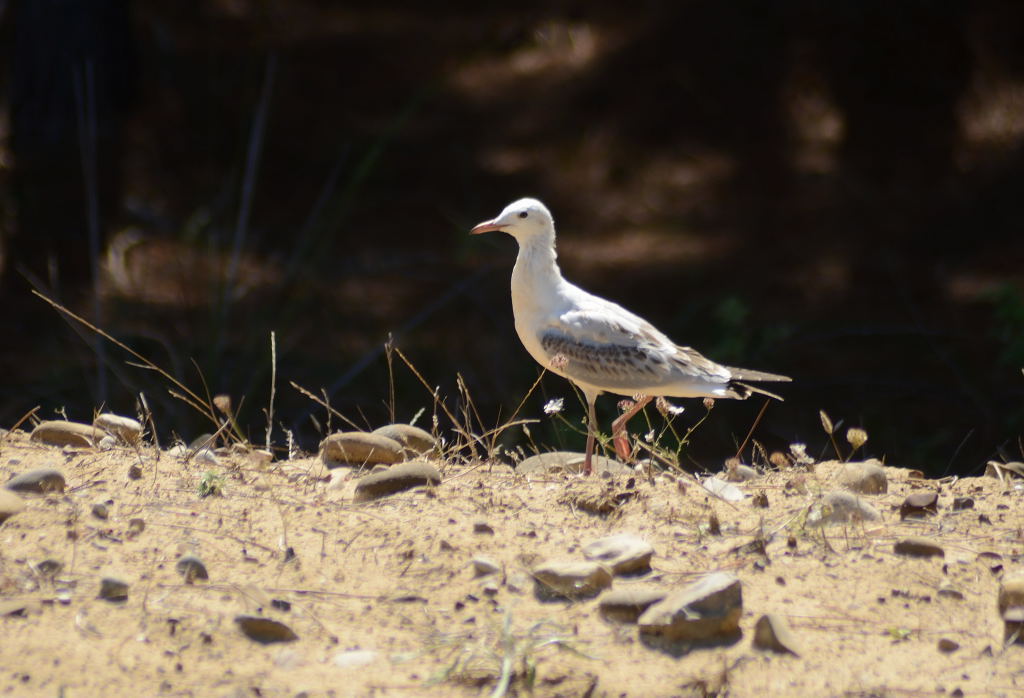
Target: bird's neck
pixel 536 273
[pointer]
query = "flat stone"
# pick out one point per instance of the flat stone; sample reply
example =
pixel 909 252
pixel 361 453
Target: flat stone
pixel 867 477
pixel 483 566
pixel 360 449
pixel 948 591
pixel 570 462
pixel 414 440
pixel 918 547
pixel 191 568
pixel 10 504
pixel 265 630
pixel 625 553
pixel 571 579
pixel 113 589
pixel 838 507
pixel 705 612
pixel 58 432
pixel 41 480
pixel 723 490
pixel 628 604
pixel 919 505
pixel 126 429
pixel 772 632
pixel 395 479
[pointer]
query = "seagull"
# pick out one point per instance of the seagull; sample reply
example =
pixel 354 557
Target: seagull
pixel 596 344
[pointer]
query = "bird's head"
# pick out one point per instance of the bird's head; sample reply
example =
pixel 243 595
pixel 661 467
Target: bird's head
pixel 524 219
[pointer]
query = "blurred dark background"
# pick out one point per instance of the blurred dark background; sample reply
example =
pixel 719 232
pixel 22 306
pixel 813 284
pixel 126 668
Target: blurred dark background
pixel 828 190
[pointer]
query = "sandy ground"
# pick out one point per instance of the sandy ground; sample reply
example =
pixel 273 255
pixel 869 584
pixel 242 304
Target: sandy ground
pixel 384 600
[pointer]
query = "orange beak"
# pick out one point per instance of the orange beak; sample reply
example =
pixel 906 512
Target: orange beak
pixel 485 227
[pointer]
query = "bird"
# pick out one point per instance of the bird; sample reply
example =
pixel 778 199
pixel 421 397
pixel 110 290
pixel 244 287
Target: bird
pixel 596 344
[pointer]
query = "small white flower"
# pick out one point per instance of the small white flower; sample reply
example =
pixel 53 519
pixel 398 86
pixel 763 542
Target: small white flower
pixel 667 408
pixel 649 436
pixel 554 405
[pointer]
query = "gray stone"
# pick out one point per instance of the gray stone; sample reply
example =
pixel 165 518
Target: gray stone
pixel 919 505
pixel 58 432
pixel 867 477
pixel 841 508
pixel 704 613
pixel 414 440
pixel 571 579
pixel 40 480
pixel 625 553
pixel 918 547
pixel 628 604
pixel 570 462
pixel 265 630
pixel 101 510
pixel 126 429
pixel 483 566
pixel 360 449
pixel 395 479
pixel 772 633
pixel 10 504
pixel 113 589
pixel 191 568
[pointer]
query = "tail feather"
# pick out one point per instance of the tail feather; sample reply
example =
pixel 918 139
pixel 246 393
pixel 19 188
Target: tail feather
pixel 747 374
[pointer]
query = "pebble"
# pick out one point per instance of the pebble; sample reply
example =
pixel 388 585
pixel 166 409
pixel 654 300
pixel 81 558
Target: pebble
pixel 39 480
pixel 483 566
pixel 113 589
pixel 961 503
pixel 483 527
pixel 49 567
pixel 723 490
pixel 136 526
pixel 947 590
pixel 919 505
pixel 772 632
pixel 10 504
pixel 352 659
pixel 918 547
pixel 191 568
pixel 839 507
pixel 946 645
pixel 265 630
pixel 126 429
pixel 360 449
pixel 628 604
pixel 395 479
pixel 625 553
pixel 705 612
pixel 101 510
pixel 58 432
pixel 867 477
pixel 571 579
pixel 569 462
pixel 414 440
pixel 740 473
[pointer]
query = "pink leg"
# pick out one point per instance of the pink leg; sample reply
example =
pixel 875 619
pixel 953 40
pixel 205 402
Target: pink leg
pixel 619 435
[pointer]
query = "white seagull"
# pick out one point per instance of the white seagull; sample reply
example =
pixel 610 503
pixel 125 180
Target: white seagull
pixel 599 345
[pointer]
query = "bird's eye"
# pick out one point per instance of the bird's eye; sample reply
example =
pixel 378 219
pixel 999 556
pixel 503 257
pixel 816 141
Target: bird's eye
pixel 523 214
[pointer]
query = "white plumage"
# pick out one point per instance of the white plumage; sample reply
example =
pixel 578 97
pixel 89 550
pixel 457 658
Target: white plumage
pixel 599 345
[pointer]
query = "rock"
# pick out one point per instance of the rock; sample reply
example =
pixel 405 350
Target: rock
pixel 723 490
pixel 918 547
pixel 1011 608
pixel 961 503
pixel 946 645
pixel 261 456
pixel 265 630
pixel 414 440
pixel 397 478
pixel 483 566
pixel 48 568
pixel 947 590
pixel 136 526
pixel 705 612
pixel 1004 470
pixel 919 505
pixel 569 462
pixel 867 477
pixel 571 579
pixel 627 605
pixel 772 633
pixel 839 507
pixel 126 429
pixel 113 589
pixel 625 553
pixel 40 480
pixel 740 473
pixel 101 510
pixel 191 568
pixel 483 527
pixel 10 504
pixel 353 659
pixel 58 432
pixel 360 449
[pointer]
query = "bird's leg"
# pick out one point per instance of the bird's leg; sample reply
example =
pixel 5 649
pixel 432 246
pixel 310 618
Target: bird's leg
pixel 591 427
pixel 619 435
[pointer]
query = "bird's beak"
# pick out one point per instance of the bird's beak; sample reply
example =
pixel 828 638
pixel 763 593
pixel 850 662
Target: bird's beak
pixel 485 227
